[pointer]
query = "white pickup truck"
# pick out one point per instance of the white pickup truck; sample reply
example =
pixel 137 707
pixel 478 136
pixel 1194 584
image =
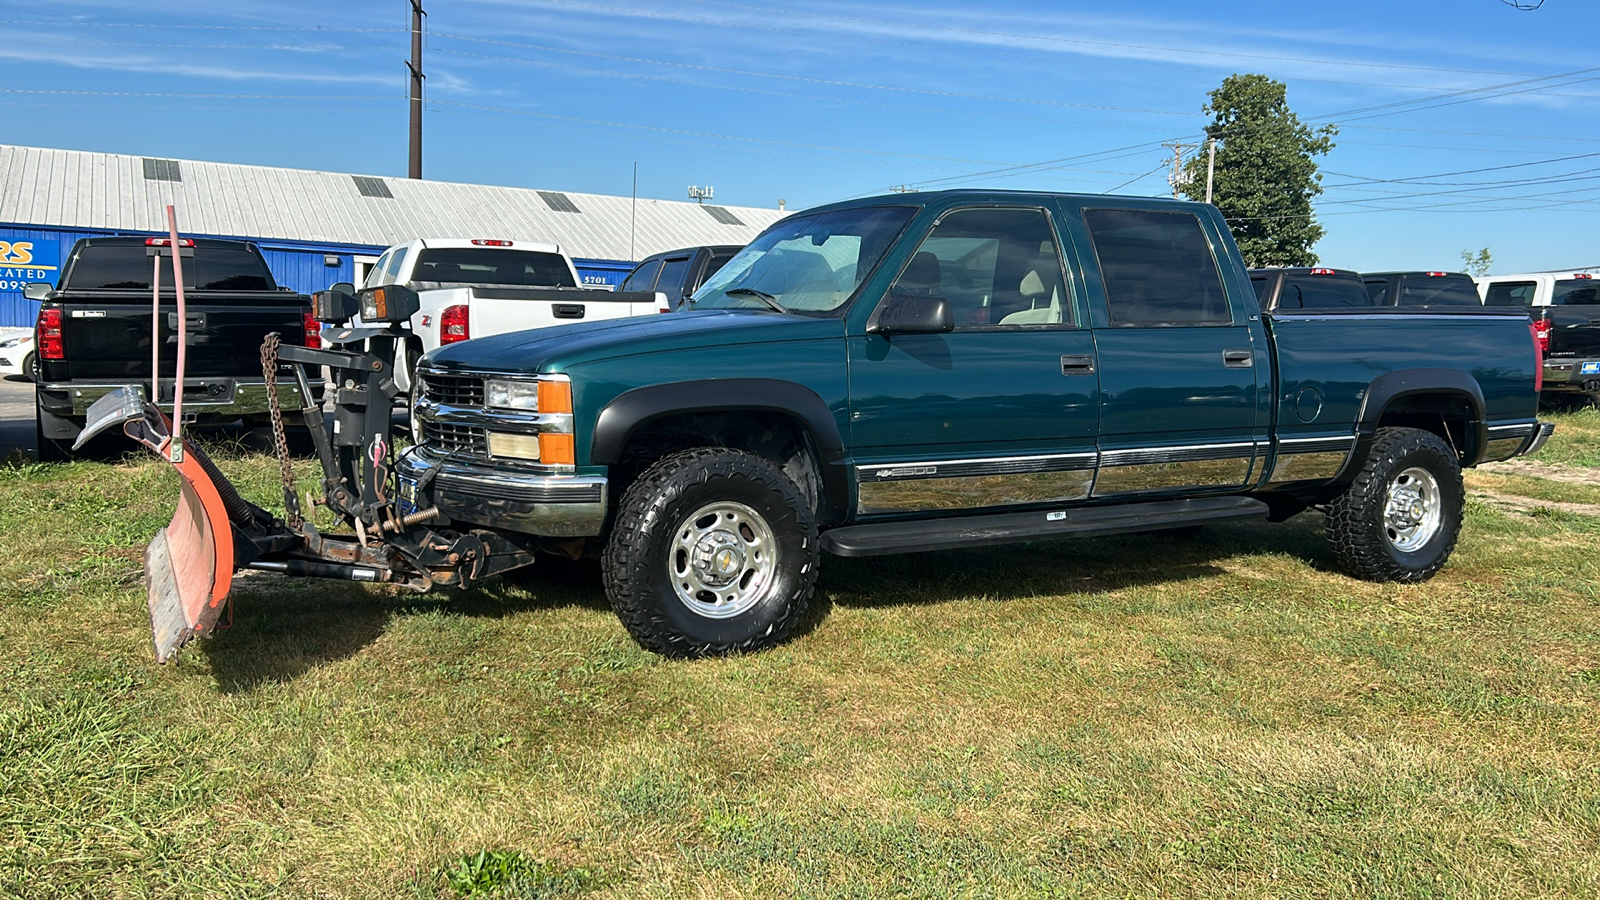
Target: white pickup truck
pixel 478 287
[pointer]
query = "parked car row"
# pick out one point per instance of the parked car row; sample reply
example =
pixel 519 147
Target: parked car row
pixel 1327 288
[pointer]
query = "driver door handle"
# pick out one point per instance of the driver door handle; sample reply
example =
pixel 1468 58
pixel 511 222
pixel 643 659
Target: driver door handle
pixel 1077 365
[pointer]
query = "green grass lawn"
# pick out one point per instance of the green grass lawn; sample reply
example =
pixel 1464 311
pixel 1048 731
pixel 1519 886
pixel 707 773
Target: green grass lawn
pixel 1198 715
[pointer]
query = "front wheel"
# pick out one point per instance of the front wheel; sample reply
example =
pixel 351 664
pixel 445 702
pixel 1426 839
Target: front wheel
pixel 714 551
pixel 1400 517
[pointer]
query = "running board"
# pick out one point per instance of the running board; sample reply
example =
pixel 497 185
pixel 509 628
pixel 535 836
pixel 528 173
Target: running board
pixel 1048 525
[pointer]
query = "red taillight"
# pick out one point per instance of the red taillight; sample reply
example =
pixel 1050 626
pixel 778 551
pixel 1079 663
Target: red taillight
pixel 453 325
pixel 1581 275
pixel 1540 329
pixel 486 242
pixel 1437 274
pixel 1323 272
pixel 167 242
pixel 313 331
pixel 47 335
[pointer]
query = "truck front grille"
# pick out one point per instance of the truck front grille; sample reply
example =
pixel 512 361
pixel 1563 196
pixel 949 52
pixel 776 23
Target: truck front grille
pixel 453 390
pixel 447 438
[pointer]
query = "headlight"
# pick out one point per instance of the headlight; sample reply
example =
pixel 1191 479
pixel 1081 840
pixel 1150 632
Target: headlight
pixel 505 394
pixel 12 342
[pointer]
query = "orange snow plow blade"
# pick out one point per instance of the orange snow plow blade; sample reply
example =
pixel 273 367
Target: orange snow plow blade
pixel 189 564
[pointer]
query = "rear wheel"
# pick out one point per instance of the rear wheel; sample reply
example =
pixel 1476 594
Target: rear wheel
pixel 1400 517
pixel 714 551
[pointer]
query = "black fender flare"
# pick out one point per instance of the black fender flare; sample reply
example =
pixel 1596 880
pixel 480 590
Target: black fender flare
pixel 630 410
pixel 1386 389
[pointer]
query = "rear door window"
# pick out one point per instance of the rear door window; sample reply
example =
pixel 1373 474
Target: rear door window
pixel 1322 292
pixel 673 273
pixel 1438 290
pixel 1157 268
pixel 1510 293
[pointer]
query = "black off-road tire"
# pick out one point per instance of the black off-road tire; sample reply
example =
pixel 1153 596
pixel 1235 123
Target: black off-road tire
pixel 1357 528
pixel 656 516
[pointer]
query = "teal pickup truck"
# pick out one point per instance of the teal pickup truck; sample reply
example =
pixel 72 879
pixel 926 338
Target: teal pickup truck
pixel 926 372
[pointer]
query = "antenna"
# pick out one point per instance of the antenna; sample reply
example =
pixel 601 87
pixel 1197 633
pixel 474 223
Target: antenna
pixel 699 194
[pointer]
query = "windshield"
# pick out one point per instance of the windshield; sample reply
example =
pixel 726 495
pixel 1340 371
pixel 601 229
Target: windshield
pixel 808 264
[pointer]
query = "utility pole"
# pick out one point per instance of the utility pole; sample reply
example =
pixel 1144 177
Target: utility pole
pixel 1211 167
pixel 415 65
pixel 1177 176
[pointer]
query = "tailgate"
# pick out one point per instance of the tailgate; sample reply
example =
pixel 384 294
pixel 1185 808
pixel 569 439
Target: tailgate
pixel 1574 332
pixel 500 311
pixel 109 337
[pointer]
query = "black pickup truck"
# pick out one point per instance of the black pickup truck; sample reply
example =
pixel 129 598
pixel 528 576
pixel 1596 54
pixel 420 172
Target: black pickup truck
pixel 678 273
pixel 94 333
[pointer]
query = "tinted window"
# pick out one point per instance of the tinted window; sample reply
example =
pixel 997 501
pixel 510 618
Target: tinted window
pixel 807 263
pixel 1378 291
pixel 714 265
pixel 1322 292
pixel 1260 283
pixel 643 278
pixel 1509 293
pixel 1575 292
pixel 1157 268
pixel 1438 290
pixel 485 265
pixel 994 266
pixel 673 273
pixel 126 267
pixel 392 270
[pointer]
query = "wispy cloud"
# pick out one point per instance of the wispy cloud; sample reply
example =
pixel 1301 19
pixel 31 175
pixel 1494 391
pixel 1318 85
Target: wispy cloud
pixel 154 64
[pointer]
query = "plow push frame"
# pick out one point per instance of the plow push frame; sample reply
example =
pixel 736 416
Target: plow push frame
pixel 189 564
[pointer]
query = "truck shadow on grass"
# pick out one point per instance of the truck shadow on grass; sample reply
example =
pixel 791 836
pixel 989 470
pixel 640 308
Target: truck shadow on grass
pixel 284 629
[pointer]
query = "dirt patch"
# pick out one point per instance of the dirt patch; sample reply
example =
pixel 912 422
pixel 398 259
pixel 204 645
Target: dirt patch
pixel 1550 471
pixel 1527 505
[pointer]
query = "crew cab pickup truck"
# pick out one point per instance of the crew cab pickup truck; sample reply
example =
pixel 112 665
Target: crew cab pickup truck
pixel 1566 315
pixel 478 287
pixel 1431 290
pixel 929 372
pixel 676 274
pixel 1308 288
pixel 94 333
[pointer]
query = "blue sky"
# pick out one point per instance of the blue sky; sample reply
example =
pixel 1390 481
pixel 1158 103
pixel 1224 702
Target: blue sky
pixel 1453 132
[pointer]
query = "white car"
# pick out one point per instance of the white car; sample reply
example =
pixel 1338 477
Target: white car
pixel 16 354
pixel 472 288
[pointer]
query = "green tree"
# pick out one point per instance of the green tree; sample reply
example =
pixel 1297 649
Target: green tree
pixel 1477 263
pixel 1266 175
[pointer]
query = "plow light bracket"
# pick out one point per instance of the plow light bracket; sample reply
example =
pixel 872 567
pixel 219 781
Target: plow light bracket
pixel 388 304
pixel 336 305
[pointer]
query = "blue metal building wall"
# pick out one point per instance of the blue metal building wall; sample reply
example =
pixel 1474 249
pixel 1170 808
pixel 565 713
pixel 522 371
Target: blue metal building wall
pixel 301 266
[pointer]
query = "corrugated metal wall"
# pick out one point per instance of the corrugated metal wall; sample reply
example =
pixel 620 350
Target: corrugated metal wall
pixel 302 268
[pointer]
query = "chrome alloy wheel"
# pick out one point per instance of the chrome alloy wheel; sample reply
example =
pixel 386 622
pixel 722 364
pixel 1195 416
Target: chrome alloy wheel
pixel 1412 510
pixel 724 559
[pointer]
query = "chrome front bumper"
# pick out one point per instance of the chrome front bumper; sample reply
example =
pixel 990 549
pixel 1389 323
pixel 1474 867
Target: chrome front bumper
pixel 497 495
pixel 209 396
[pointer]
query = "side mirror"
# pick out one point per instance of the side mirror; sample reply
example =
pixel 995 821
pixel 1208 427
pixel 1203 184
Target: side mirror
pixel 37 290
pixel 911 314
pixel 344 287
pixel 334 306
pixel 388 304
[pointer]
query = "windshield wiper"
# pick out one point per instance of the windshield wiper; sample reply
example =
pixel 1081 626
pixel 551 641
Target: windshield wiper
pixel 763 296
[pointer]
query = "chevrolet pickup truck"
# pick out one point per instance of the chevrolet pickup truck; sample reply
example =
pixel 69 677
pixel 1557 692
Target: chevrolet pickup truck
pixel 1565 310
pixel 94 331
pixel 928 372
pixel 485 286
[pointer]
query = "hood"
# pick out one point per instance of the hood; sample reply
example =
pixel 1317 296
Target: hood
pixel 552 350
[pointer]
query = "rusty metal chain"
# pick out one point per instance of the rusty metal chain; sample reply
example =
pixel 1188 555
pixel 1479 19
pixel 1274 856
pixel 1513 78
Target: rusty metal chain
pixel 280 443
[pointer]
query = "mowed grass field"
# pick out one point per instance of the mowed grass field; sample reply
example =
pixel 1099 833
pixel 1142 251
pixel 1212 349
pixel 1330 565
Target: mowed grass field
pixel 1206 714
